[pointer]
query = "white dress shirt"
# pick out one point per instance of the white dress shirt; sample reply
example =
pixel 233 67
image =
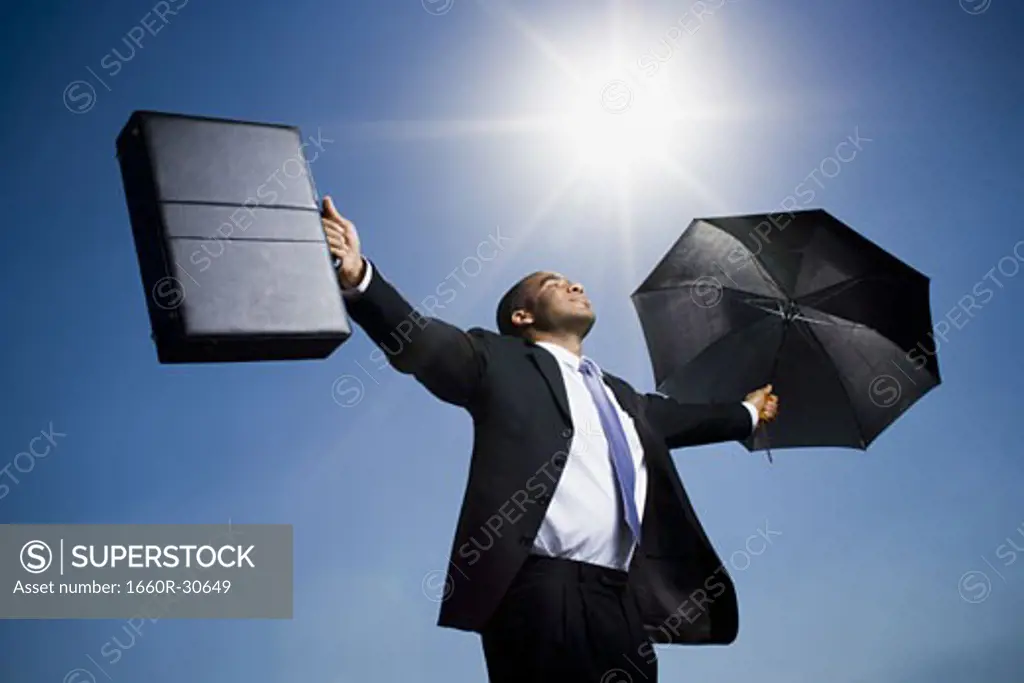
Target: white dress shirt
pixel 585 520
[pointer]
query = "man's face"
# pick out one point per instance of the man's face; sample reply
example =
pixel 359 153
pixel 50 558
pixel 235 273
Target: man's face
pixel 554 304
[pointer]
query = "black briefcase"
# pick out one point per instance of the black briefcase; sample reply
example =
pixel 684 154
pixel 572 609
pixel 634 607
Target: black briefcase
pixel 227 229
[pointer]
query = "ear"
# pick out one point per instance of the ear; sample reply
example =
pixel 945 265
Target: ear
pixel 521 318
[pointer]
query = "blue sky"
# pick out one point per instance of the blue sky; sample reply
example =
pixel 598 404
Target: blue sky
pixel 862 579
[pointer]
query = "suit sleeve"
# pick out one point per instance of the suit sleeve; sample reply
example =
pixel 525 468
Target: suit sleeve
pixel 685 424
pixel 451 363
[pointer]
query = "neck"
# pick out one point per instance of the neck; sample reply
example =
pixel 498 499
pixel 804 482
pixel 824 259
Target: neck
pixel 567 340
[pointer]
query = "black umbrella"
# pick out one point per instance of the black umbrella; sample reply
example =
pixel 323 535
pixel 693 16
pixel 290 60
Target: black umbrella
pixel 840 328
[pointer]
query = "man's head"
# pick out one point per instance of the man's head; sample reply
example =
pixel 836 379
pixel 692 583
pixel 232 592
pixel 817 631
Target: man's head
pixel 545 303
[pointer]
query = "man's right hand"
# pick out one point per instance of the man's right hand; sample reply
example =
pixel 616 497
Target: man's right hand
pixel 766 403
pixel 343 241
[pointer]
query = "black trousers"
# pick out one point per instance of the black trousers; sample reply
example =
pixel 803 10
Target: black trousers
pixel 568 622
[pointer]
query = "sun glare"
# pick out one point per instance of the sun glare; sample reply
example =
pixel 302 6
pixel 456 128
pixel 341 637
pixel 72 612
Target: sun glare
pixel 598 121
pixel 613 125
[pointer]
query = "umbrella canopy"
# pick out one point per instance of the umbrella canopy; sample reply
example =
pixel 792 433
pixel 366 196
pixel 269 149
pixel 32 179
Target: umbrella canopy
pixel 841 328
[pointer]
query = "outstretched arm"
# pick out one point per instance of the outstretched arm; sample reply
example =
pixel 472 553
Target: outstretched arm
pixel 449 362
pixel 695 424
pixel 684 424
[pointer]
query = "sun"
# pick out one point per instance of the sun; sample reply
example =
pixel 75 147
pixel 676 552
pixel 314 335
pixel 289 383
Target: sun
pixel 613 125
pixel 598 121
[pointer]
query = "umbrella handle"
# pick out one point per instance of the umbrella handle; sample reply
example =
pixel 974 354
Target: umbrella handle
pixel 768 444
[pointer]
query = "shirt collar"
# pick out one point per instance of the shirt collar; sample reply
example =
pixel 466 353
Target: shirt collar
pixel 562 355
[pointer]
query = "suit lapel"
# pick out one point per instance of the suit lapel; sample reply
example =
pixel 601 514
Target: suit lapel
pixel 548 367
pixel 623 395
pixel 653 449
pixel 627 398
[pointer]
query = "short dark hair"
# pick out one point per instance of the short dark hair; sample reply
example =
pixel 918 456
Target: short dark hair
pixel 515 298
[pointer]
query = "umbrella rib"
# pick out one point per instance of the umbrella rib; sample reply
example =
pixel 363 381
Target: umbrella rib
pixel 835 320
pixel 805 319
pixel 780 312
pixel 809 333
pixel 692 283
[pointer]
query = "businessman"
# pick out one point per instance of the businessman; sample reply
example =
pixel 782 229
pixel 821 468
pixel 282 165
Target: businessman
pixel 576 547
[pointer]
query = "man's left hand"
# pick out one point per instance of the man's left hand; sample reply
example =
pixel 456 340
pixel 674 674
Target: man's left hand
pixel 766 403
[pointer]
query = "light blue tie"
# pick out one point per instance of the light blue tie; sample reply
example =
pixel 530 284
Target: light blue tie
pixel 618 444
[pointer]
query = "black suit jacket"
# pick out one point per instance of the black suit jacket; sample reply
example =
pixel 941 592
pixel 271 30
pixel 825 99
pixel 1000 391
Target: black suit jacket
pixel 515 394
